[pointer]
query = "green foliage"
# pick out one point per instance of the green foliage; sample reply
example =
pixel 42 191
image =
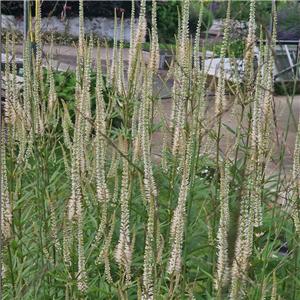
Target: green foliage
pixel 167 19
pixel 207 17
pixel 65 85
pixel 240 10
pixel 288 21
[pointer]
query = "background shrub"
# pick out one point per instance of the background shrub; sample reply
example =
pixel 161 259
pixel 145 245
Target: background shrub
pixel 167 19
pixel 218 9
pixel 55 8
pixel 240 10
pixel 207 17
pixel 288 21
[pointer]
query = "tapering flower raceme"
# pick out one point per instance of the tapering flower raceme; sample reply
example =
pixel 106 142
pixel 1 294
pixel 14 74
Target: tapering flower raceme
pixel 136 46
pixel 154 51
pixel 76 195
pixel 75 211
pixel 264 290
pixel 78 163
pixel 256 143
pixel 114 63
pixel 256 136
pixel 10 113
pixel 197 43
pixel 53 226
pixel 123 250
pixel 66 124
pixel 148 186
pixel 200 78
pixel 19 131
pixel 144 139
pixel 136 65
pixel 66 250
pixel 177 227
pixel 220 93
pixel 148 292
pixel 81 31
pixel 181 88
pixel 184 24
pixel 222 277
pixel 27 94
pixel 132 23
pixel 14 85
pixel 102 190
pixel 5 202
pixel 268 82
pixel 38 105
pixel 274 287
pixel 85 107
pixel 296 182
pixel 164 136
pixel 106 251
pixel 178 141
pixel 81 277
pixel 250 45
pixel 244 242
pixel 121 83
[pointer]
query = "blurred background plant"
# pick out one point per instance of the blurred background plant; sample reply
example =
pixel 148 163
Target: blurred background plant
pixel 288 20
pixel 167 19
pixel 240 10
pixel 207 17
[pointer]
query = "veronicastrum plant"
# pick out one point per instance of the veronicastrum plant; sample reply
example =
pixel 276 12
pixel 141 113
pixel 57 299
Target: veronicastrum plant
pixel 90 211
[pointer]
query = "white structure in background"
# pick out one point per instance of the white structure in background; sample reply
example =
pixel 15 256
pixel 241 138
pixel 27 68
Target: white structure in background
pixel 100 27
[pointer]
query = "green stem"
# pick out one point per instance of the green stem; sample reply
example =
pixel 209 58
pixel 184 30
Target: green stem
pixel 11 272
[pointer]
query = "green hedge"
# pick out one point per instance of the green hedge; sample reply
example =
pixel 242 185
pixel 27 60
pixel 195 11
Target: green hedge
pixel 55 8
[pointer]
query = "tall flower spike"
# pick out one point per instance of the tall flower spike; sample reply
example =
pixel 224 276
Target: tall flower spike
pixel 81 30
pixel 149 181
pixel 268 81
pixel 102 190
pixel 222 276
pixel 296 182
pixel 135 47
pixel 175 262
pixel 177 226
pixel 250 44
pixel 5 203
pixel 274 288
pixel 114 63
pixel 81 284
pixel 220 95
pixel 154 52
pixel 121 83
pixel 10 114
pixel 123 250
pixel 106 250
pixel 148 264
pixel 66 250
pixel 256 143
pixel 197 42
pixel 244 242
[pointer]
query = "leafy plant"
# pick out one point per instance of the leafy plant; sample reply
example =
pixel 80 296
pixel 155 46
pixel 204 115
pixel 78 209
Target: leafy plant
pixel 207 16
pixel 167 19
pixel 288 20
pixel 65 86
